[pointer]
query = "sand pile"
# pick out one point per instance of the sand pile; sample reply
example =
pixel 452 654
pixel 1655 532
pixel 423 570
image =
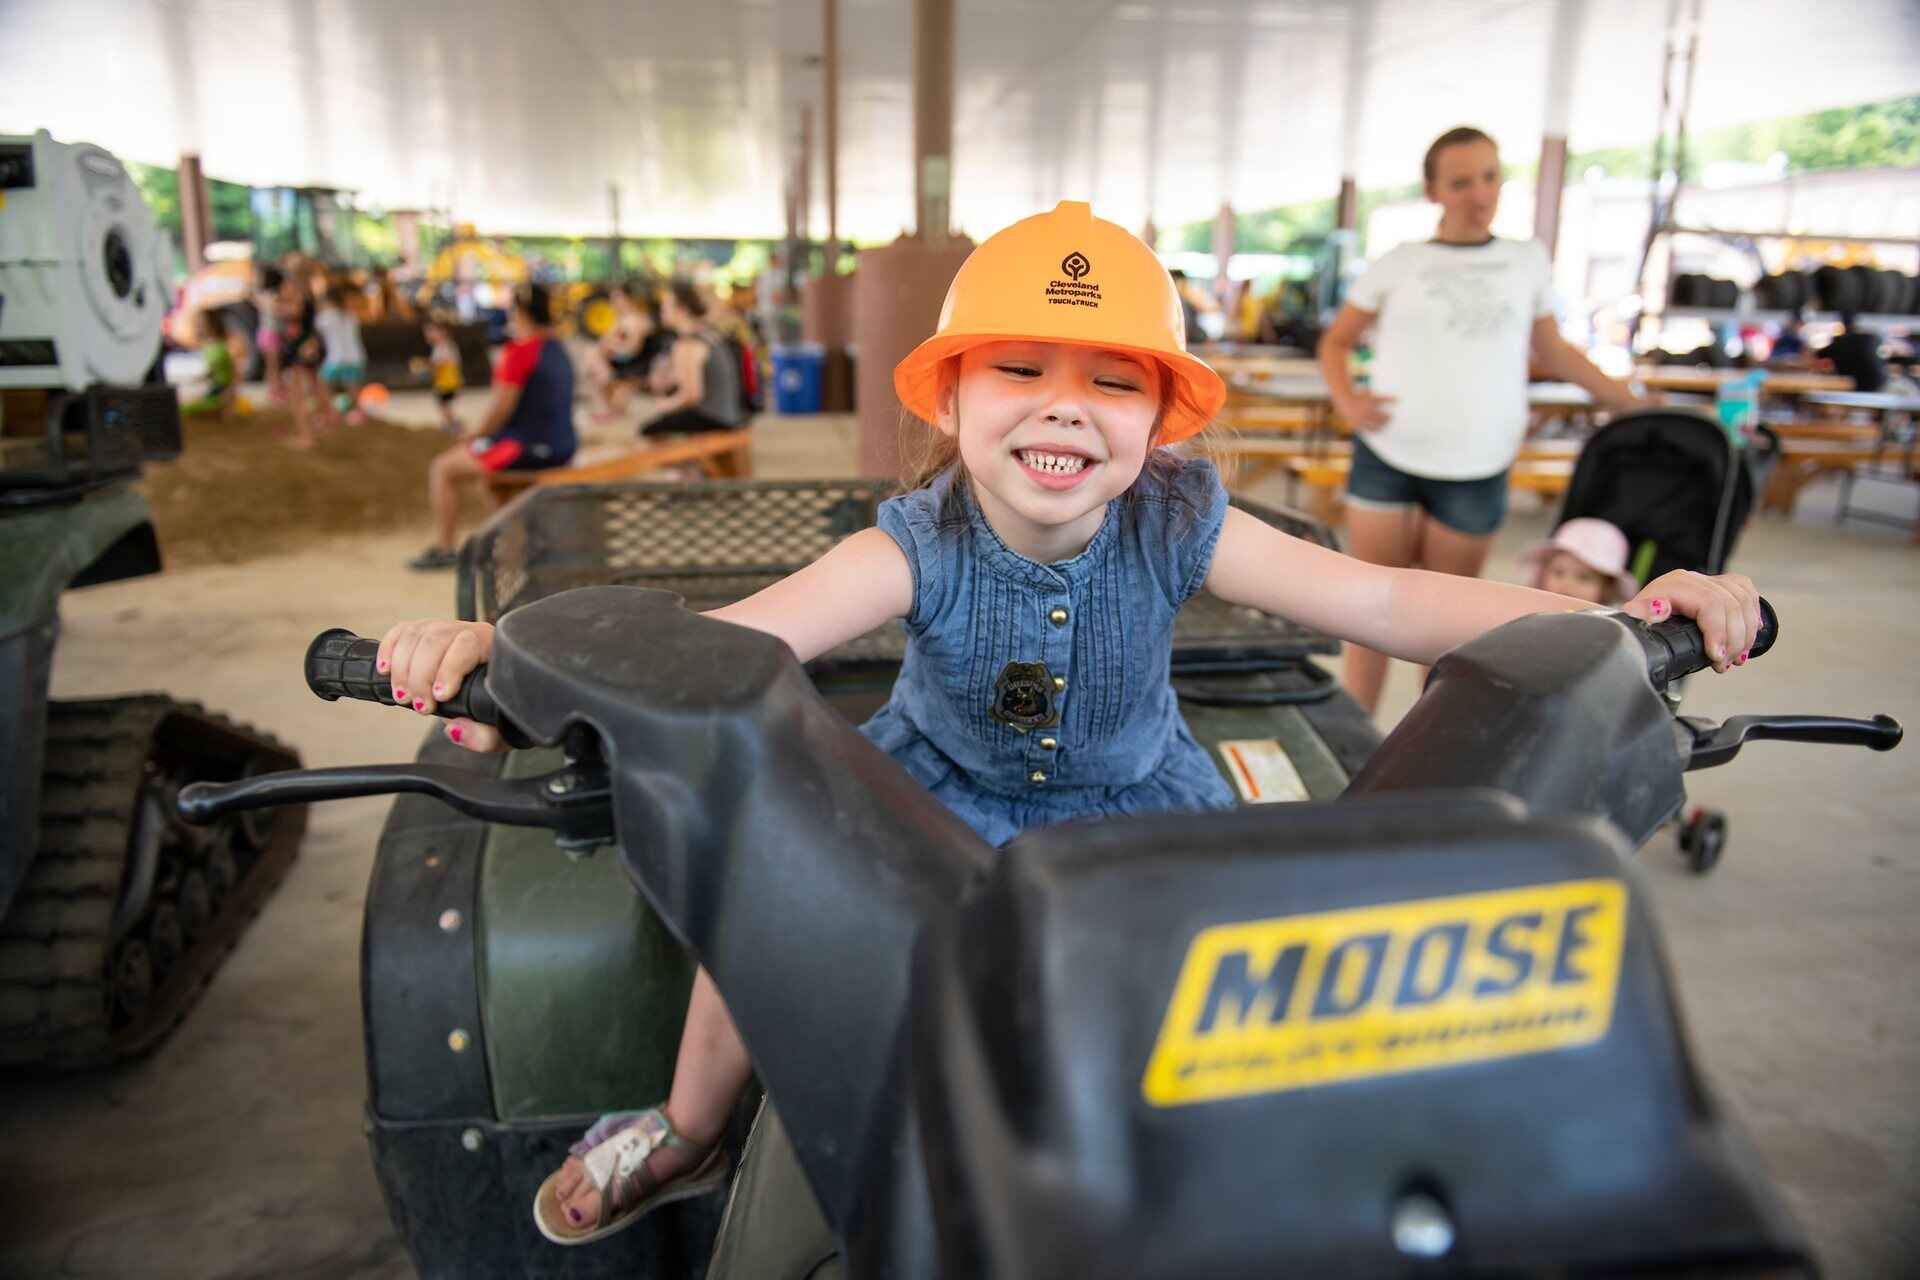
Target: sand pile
pixel 238 491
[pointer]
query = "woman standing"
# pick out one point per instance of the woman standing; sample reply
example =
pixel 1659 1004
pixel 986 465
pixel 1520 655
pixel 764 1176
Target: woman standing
pixel 1459 317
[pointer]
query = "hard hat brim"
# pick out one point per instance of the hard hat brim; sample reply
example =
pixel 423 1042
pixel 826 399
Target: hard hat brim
pixel 1197 391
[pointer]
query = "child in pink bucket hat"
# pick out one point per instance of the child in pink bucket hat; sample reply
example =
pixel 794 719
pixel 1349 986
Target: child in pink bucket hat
pixel 1586 559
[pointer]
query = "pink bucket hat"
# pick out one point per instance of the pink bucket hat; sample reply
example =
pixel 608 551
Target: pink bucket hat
pixel 1595 543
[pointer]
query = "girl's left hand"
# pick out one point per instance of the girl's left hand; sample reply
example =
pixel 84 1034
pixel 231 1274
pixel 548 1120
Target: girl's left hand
pixel 1726 608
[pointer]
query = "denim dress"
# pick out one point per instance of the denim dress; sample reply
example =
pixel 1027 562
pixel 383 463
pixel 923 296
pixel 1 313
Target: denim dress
pixel 1038 693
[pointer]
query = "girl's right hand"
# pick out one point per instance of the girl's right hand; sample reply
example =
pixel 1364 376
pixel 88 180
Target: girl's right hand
pixel 426 660
pixel 1363 410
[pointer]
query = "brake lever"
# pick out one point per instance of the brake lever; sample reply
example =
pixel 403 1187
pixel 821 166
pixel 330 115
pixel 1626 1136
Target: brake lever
pixel 1715 744
pixel 574 801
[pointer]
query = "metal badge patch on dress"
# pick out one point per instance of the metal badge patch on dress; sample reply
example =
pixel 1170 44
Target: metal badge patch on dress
pixel 1023 696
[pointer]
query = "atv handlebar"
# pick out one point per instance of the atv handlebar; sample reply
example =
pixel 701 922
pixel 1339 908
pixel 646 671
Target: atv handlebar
pixel 1676 648
pixel 340 664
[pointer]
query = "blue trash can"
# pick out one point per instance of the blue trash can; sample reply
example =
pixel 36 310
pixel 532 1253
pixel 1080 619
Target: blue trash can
pixel 798 373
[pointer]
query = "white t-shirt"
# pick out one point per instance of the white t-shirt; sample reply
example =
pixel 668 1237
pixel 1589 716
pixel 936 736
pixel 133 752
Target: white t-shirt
pixel 1450 345
pixel 340 332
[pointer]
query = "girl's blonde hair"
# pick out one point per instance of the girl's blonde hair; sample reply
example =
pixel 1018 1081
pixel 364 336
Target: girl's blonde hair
pixel 937 450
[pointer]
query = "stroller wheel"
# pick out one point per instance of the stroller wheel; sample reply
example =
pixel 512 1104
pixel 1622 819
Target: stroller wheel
pixel 1703 838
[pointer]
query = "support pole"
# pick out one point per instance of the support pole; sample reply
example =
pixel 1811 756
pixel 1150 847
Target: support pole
pixel 803 183
pixel 826 299
pixel 933 118
pixel 1359 43
pixel 196 213
pixel 830 144
pixel 898 289
pixel 1569 25
pixel 406 225
pixel 1222 250
pixel 1347 209
pixel 613 240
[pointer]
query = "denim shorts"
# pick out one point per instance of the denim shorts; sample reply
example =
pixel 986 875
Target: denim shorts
pixel 1473 507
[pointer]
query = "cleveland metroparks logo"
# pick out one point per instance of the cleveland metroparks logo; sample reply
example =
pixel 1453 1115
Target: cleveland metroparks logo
pixel 1075 265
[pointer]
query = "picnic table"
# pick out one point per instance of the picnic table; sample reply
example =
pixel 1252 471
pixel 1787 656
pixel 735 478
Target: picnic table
pixel 1892 457
pixel 1707 381
pixel 1299 403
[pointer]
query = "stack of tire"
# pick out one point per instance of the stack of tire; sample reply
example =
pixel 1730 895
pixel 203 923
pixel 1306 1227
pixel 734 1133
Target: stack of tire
pixel 1865 291
pixel 1840 290
pixel 1787 291
pixel 1690 290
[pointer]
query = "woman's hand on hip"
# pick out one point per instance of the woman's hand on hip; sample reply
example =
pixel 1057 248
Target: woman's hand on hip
pixel 1363 410
pixel 1726 608
pixel 427 659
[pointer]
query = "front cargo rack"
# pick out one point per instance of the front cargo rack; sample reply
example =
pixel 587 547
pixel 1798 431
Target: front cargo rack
pixel 720 541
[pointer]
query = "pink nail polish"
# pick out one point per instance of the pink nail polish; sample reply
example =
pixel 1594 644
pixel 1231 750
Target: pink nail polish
pixel 419 704
pixel 1659 606
pixel 439 689
pixel 399 694
pixel 383 664
pixel 454 732
pixel 573 1216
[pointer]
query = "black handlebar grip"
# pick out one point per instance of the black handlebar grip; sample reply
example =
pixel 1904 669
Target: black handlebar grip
pixel 340 664
pixel 1676 648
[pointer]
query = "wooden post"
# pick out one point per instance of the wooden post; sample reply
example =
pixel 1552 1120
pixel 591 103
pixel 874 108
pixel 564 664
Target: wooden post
pixel 830 144
pixel 1222 251
pixel 196 213
pixel 1359 44
pixel 933 118
pixel 1563 64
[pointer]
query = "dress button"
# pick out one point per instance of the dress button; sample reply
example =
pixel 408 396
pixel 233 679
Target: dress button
pixel 1048 744
pixel 1059 683
pixel 1036 777
pixel 1058 617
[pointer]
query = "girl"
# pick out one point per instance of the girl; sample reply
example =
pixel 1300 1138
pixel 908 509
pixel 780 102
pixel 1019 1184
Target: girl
pixel 1037 569
pixel 1458 319
pixel 1585 559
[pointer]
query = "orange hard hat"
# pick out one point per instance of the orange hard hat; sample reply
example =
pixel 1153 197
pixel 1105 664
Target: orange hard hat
pixel 1067 276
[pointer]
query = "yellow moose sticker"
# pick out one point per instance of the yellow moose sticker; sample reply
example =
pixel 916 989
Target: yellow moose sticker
pixel 1301 1001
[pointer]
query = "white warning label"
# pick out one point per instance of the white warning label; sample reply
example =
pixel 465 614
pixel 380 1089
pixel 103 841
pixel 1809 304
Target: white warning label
pixel 1261 770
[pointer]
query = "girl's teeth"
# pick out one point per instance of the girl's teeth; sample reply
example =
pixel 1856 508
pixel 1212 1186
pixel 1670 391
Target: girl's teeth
pixel 1059 464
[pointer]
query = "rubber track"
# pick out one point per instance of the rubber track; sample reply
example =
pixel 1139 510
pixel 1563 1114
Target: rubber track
pixel 56 944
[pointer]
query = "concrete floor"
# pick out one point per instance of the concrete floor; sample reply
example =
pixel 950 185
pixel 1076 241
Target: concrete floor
pixel 235 1150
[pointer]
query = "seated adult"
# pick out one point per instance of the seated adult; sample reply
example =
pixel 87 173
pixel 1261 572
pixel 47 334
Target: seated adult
pixel 1856 354
pixel 701 390
pixel 1789 349
pixel 528 427
pixel 620 361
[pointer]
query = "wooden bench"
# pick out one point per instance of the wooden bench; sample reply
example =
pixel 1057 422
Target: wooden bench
pixel 1826 429
pixel 723 455
pixel 1803 461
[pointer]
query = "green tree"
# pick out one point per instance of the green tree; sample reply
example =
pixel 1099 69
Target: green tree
pixel 231 204
pixel 160 188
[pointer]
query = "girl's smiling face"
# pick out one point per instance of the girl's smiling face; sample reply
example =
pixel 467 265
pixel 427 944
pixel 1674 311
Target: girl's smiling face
pixel 1049 434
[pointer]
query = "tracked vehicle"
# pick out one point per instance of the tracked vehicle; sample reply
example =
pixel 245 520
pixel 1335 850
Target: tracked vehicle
pixel 113 913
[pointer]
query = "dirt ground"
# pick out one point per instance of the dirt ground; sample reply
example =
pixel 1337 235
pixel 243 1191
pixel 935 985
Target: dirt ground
pixel 235 1150
pixel 238 491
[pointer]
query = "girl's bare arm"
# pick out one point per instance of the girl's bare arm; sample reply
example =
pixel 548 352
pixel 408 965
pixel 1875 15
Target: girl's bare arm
pixel 857 586
pixel 1418 615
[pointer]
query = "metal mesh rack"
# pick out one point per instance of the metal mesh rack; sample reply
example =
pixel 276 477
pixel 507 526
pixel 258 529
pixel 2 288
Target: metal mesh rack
pixel 718 542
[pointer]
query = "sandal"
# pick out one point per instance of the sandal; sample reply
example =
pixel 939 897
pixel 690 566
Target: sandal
pixel 435 558
pixel 614 1153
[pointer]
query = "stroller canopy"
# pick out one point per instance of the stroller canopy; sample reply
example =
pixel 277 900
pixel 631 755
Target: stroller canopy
pixel 1671 481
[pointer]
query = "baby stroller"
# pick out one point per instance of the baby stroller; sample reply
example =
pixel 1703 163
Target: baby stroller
pixel 1681 489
